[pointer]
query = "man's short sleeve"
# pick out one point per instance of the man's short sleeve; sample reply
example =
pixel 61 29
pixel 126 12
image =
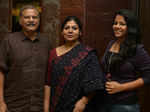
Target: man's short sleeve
pixel 4 55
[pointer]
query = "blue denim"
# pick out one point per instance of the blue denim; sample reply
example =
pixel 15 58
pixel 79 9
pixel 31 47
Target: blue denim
pixel 120 108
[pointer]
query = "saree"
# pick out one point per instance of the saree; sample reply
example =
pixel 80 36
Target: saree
pixel 72 76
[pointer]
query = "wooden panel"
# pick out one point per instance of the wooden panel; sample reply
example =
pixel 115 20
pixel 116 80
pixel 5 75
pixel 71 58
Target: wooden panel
pixel 97 18
pixel 4 18
pixel 98 26
pixel 50 20
pixel 71 8
pixel 144 17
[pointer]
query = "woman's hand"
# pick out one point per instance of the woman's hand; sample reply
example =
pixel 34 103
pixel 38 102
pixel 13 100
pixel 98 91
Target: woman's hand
pixel 113 87
pixel 79 106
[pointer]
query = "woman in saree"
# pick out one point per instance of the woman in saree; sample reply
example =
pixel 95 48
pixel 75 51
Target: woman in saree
pixel 74 73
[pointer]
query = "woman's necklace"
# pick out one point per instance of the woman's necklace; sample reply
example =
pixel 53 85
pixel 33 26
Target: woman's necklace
pixel 108 76
pixel 66 48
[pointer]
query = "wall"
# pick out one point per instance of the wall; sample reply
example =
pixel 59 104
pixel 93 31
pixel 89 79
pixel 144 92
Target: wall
pixel 144 17
pixel 4 18
pixel 99 16
pixel 96 17
pixel 50 20
pixel 71 8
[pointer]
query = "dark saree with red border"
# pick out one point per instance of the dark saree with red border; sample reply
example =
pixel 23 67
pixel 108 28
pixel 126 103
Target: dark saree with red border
pixel 71 76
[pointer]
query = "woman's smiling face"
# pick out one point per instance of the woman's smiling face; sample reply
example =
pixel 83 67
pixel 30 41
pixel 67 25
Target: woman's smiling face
pixel 120 27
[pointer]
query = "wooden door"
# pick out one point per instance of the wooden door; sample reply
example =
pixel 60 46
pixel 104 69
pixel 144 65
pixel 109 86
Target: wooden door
pixel 96 16
pixel 98 24
pixel 71 8
pixel 4 18
pixel 144 17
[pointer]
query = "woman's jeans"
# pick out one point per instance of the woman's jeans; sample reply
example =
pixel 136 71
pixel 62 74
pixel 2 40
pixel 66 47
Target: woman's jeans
pixel 120 108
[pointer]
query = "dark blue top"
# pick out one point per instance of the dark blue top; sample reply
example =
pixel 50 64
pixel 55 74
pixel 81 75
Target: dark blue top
pixel 129 70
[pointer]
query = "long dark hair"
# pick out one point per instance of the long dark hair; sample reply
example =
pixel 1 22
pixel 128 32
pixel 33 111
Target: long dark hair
pixel 128 46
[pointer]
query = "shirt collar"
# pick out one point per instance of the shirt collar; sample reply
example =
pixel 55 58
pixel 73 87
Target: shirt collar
pixel 24 37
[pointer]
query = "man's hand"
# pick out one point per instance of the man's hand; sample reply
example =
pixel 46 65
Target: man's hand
pixel 3 107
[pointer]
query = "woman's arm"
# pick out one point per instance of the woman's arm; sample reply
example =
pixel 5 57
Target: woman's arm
pixel 141 63
pixel 113 87
pixel 47 98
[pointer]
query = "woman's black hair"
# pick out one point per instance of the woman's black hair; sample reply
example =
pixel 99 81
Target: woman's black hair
pixel 70 18
pixel 128 46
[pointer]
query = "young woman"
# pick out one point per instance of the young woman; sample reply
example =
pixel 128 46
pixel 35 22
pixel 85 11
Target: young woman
pixel 73 73
pixel 126 65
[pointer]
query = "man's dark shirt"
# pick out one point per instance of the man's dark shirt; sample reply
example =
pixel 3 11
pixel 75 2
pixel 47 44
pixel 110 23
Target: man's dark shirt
pixel 24 64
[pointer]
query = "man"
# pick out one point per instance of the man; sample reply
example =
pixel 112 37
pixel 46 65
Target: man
pixel 23 65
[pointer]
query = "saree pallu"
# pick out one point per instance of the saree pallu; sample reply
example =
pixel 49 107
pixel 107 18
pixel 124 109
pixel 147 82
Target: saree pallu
pixel 73 75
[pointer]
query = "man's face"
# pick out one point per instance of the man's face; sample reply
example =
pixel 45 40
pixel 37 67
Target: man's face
pixel 29 20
